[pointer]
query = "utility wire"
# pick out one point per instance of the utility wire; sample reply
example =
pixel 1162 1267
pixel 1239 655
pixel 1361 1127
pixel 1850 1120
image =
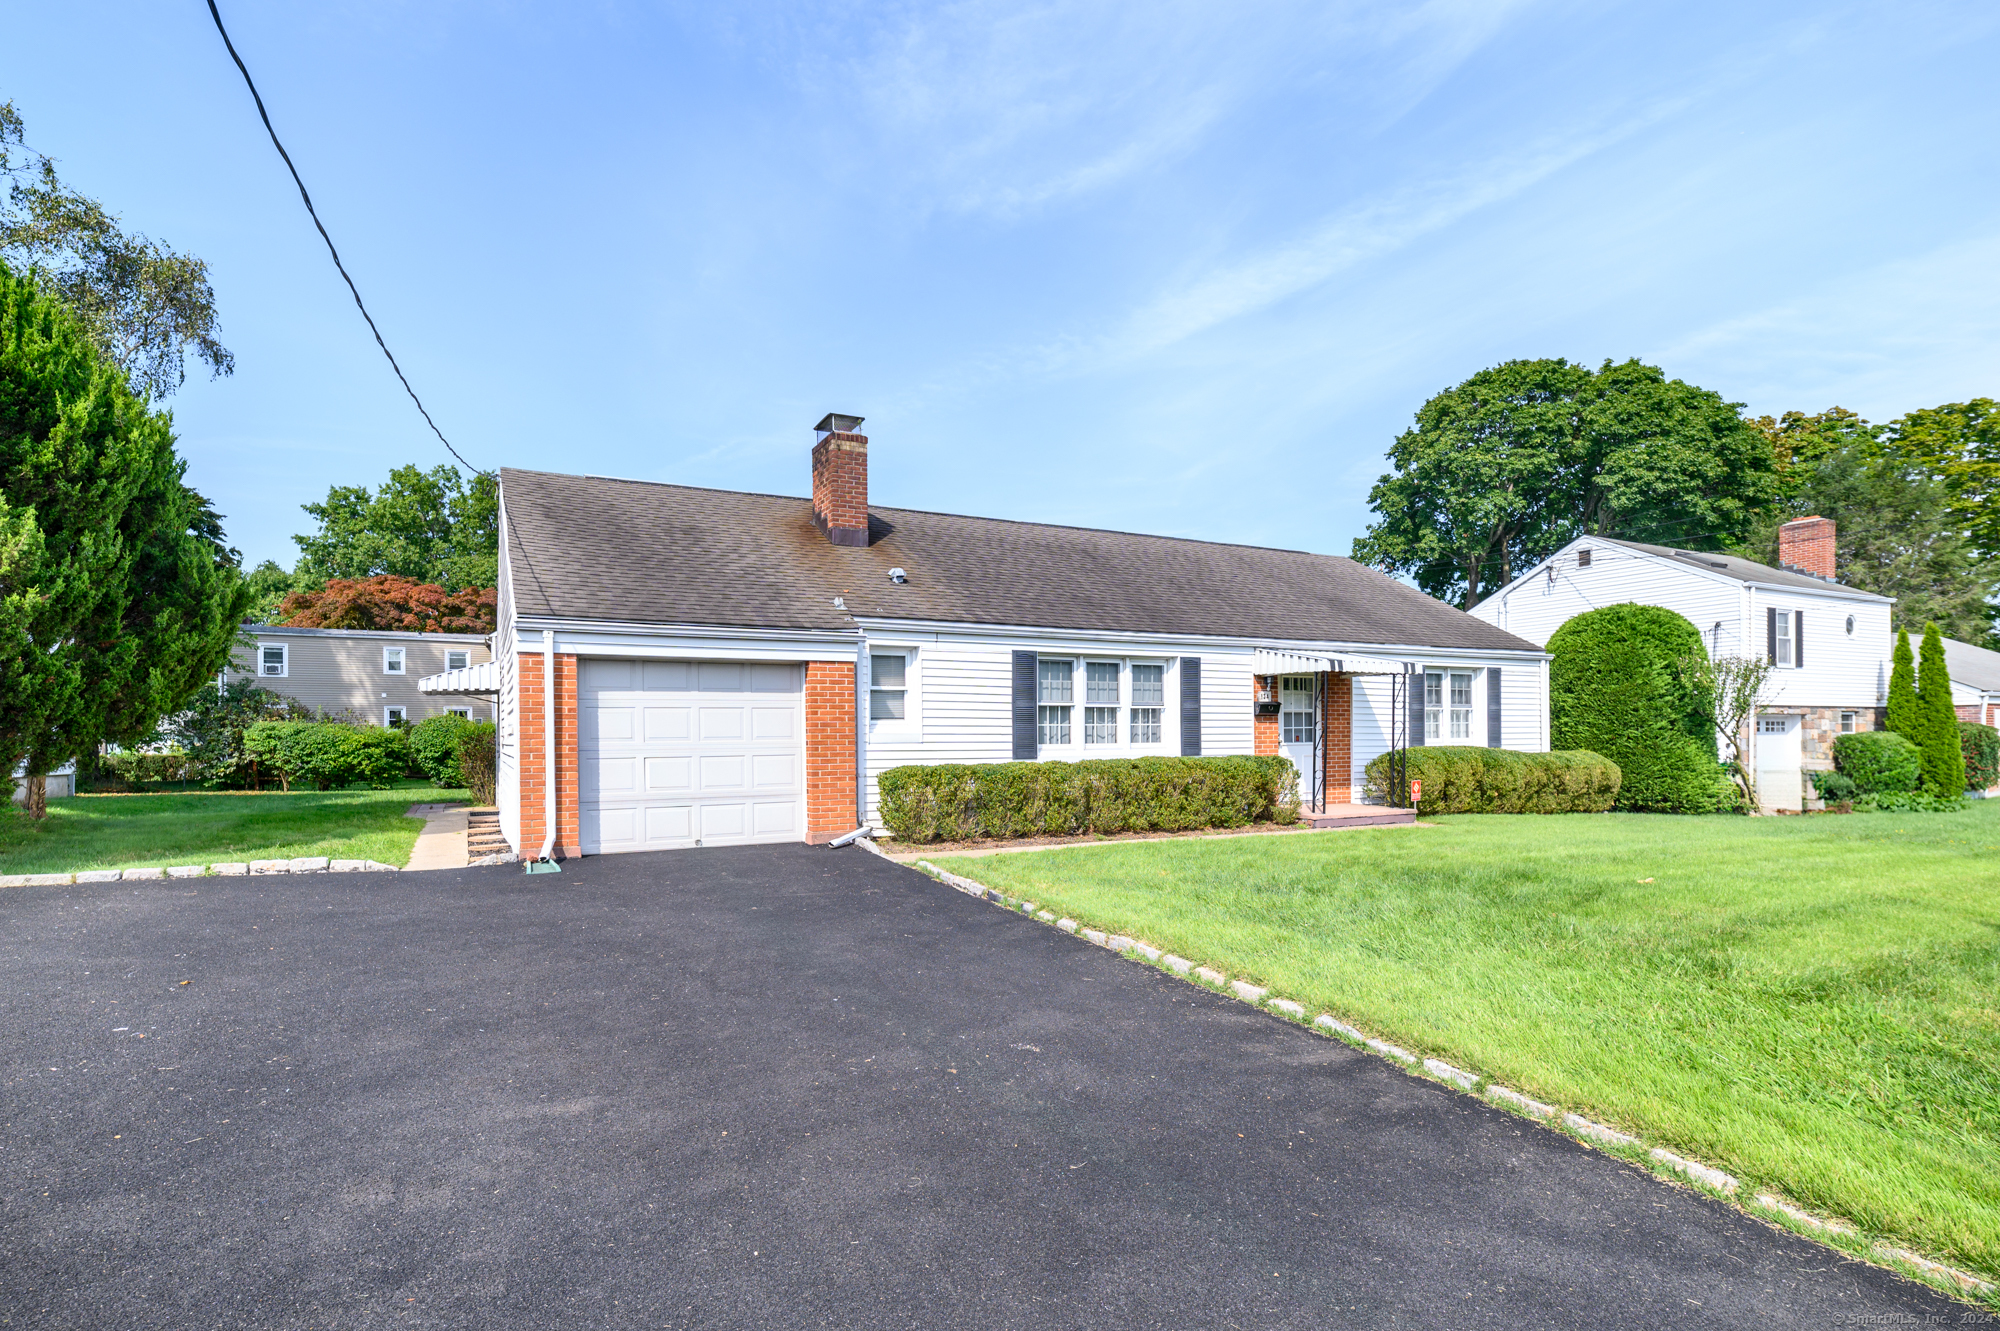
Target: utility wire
pixel 216 14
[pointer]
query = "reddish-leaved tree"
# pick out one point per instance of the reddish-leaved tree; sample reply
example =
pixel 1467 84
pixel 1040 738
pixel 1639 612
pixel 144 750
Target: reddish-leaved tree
pixel 390 602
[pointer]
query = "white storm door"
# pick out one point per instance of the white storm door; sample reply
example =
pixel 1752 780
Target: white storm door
pixel 689 753
pixel 1298 725
pixel 1780 758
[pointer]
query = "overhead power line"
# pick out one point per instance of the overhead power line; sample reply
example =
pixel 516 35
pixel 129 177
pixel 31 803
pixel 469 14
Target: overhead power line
pixel 262 114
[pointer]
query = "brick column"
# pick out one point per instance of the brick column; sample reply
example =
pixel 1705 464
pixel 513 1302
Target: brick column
pixel 1263 729
pixel 533 770
pixel 830 799
pixel 1339 723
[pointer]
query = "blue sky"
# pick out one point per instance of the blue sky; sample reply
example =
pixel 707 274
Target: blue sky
pixel 1168 267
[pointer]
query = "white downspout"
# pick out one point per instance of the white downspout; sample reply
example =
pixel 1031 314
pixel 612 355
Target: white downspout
pixel 549 739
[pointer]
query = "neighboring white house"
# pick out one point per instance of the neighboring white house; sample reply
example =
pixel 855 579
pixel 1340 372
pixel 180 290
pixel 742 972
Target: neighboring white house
pixel 1829 644
pixel 706 667
pixel 61 783
pixel 1975 681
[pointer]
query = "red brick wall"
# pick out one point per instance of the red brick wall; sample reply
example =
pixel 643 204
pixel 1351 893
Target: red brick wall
pixel 1339 722
pixel 829 749
pixel 1263 729
pixel 840 481
pixel 1808 544
pixel 1970 712
pixel 569 842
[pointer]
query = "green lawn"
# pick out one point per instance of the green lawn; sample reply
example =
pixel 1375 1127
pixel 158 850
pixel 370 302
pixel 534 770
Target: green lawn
pixel 136 831
pixel 1812 1004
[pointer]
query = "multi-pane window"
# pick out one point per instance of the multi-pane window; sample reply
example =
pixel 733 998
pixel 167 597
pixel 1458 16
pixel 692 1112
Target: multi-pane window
pixel 1295 710
pixel 1847 723
pixel 1448 704
pixel 888 691
pixel 1055 694
pixel 271 659
pixel 1781 647
pixel 392 660
pixel 457 660
pixel 1149 700
pixel 1461 704
pixel 1100 702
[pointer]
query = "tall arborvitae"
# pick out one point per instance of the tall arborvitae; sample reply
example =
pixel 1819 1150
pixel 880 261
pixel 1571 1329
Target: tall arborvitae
pixel 1902 716
pixel 1944 756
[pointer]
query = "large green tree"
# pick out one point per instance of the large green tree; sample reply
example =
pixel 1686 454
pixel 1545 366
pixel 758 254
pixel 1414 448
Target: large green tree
pixel 1503 470
pixel 1898 533
pixel 117 599
pixel 146 306
pixel 1958 444
pixel 1937 722
pixel 435 526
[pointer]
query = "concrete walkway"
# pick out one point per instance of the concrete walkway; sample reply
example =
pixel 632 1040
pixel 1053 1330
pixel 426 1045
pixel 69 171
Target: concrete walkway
pixel 441 845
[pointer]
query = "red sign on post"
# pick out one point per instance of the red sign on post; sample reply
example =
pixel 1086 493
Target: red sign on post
pixel 1416 793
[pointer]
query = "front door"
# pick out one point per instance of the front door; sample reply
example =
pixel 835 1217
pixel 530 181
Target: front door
pixel 1298 727
pixel 1779 763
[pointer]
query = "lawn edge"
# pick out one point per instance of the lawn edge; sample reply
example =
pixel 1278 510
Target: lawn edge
pixel 1764 1205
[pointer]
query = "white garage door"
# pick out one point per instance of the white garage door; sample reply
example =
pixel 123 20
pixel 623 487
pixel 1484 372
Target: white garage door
pixel 685 753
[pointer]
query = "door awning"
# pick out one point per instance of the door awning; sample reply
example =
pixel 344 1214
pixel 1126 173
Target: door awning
pixel 1269 661
pixel 481 679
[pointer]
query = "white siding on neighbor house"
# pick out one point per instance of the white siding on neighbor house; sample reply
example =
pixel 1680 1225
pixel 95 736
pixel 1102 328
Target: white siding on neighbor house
pixel 1839 671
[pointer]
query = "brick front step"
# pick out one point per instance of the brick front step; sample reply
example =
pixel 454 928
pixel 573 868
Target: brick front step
pixel 1358 815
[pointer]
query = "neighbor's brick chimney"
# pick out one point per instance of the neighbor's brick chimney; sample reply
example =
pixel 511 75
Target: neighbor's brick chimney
pixel 1807 545
pixel 840 480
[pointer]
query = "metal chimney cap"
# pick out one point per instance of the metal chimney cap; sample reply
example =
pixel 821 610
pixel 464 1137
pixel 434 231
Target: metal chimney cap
pixel 834 421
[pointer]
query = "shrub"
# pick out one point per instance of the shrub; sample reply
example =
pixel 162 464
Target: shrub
pixel 1943 758
pixel 1615 690
pixel 211 730
pixel 475 762
pixel 1468 780
pixel 1834 787
pixel 1981 745
pixel 1878 762
pixel 327 755
pixel 965 802
pixel 434 745
pixel 132 769
pixel 1908 801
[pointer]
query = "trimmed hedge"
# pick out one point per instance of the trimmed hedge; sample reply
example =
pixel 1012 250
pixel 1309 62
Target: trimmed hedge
pixel 970 802
pixel 1469 780
pixel 434 743
pixel 1982 755
pixel 476 762
pixel 1615 688
pixel 327 755
pixel 1878 762
pixel 139 768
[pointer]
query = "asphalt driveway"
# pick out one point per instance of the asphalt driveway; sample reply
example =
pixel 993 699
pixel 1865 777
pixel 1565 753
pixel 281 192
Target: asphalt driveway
pixel 768 1088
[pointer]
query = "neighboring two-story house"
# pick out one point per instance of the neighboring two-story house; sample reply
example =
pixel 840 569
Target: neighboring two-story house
pixel 1828 644
pixel 372 673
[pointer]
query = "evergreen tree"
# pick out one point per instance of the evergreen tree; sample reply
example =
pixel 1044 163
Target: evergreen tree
pixel 114 604
pixel 1902 716
pixel 1944 755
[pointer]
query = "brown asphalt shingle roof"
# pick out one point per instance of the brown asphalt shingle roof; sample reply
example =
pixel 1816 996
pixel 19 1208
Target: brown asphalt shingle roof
pixel 585 547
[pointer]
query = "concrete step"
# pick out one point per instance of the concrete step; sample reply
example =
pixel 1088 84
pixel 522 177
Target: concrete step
pixel 1359 815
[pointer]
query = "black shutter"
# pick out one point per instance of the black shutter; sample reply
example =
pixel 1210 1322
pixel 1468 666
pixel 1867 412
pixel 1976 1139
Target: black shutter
pixel 1026 745
pixel 1771 634
pixel 1492 707
pixel 1417 708
pixel 1798 637
pixel 1190 707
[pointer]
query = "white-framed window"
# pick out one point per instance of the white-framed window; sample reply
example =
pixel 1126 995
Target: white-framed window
pixel 1781 644
pixel 1298 696
pixel 393 717
pixel 1847 723
pixel 1149 701
pixel 465 712
pixel 1101 697
pixel 1055 695
pixel 274 660
pixel 1447 704
pixel 888 686
pixel 457 660
pixel 392 660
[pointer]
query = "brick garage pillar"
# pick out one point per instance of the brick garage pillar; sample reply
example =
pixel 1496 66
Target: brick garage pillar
pixel 533 768
pixel 1263 729
pixel 830 803
pixel 1339 723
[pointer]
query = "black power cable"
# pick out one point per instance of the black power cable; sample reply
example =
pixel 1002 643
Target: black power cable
pixel 216 14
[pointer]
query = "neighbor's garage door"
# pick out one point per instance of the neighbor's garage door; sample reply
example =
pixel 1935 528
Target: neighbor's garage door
pixel 679 753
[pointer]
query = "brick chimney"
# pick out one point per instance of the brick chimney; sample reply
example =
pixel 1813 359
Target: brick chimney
pixel 840 480
pixel 1806 546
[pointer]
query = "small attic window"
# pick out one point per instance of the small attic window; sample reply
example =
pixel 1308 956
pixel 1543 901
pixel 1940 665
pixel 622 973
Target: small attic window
pixel 1583 559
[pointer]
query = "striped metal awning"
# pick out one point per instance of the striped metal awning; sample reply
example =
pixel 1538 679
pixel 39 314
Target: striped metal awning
pixel 1270 661
pixel 483 678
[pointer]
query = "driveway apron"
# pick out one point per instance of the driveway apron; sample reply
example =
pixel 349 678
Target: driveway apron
pixel 769 1087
